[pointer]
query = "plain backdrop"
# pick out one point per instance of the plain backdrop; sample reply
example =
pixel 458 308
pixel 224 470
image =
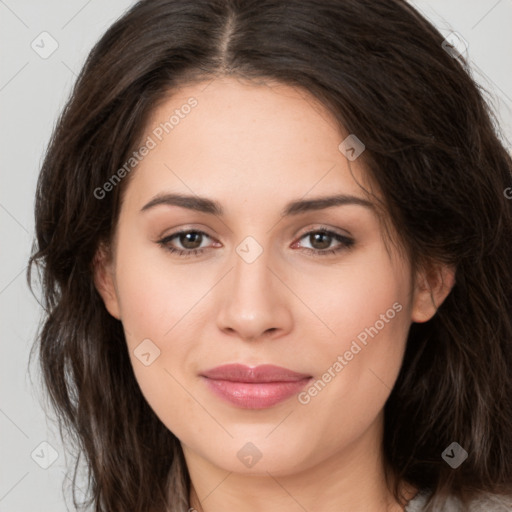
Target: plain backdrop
pixel 33 90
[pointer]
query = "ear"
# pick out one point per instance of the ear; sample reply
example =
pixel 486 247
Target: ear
pixel 431 288
pixel 103 270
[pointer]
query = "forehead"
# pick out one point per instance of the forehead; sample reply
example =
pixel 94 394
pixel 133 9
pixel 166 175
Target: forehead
pixel 265 140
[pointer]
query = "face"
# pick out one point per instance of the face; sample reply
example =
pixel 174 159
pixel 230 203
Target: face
pixel 312 290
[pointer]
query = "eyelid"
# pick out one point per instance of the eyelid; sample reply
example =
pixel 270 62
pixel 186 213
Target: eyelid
pixel 300 234
pixel 200 228
pixel 175 234
pixel 345 241
pixel 323 227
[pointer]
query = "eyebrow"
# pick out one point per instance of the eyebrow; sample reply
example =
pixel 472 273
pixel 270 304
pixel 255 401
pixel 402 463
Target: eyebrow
pixel 205 205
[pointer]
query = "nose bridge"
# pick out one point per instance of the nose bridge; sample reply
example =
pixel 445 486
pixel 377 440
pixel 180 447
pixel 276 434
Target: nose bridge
pixel 252 277
pixel 252 302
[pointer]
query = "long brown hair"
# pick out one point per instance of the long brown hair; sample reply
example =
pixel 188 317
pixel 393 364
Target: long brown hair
pixel 432 149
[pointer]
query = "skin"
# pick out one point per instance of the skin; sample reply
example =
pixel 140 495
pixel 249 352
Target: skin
pixel 253 148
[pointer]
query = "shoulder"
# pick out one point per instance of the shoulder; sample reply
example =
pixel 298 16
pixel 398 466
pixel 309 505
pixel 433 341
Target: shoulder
pixel 484 503
pixel 492 503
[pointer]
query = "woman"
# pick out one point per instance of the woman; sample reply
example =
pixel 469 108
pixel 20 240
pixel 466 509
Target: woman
pixel 274 240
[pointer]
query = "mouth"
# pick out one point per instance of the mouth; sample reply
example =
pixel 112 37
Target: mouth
pixel 259 387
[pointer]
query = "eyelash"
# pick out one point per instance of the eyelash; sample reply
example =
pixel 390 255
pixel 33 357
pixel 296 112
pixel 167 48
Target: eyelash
pixel 345 243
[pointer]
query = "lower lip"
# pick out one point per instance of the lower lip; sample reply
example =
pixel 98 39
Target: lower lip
pixel 260 395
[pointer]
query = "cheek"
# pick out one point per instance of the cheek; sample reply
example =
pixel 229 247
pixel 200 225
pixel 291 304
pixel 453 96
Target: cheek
pixel 367 310
pixel 357 365
pixel 155 300
pixel 367 298
pixel 154 293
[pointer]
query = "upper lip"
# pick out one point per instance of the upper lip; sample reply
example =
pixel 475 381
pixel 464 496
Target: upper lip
pixel 262 373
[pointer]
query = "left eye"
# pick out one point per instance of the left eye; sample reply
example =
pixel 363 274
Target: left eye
pixel 191 242
pixel 324 238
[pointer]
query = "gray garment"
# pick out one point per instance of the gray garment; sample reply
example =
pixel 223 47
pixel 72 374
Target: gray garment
pixel 487 503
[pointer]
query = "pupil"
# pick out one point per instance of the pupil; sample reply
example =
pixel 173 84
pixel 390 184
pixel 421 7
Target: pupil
pixel 189 240
pixel 326 240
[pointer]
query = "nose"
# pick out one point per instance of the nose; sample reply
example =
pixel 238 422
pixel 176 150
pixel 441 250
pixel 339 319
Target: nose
pixel 253 301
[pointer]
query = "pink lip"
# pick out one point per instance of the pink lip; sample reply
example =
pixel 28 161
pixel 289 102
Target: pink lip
pixel 254 388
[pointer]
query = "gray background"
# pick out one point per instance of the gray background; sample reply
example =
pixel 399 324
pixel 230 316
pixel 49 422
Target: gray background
pixel 33 90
